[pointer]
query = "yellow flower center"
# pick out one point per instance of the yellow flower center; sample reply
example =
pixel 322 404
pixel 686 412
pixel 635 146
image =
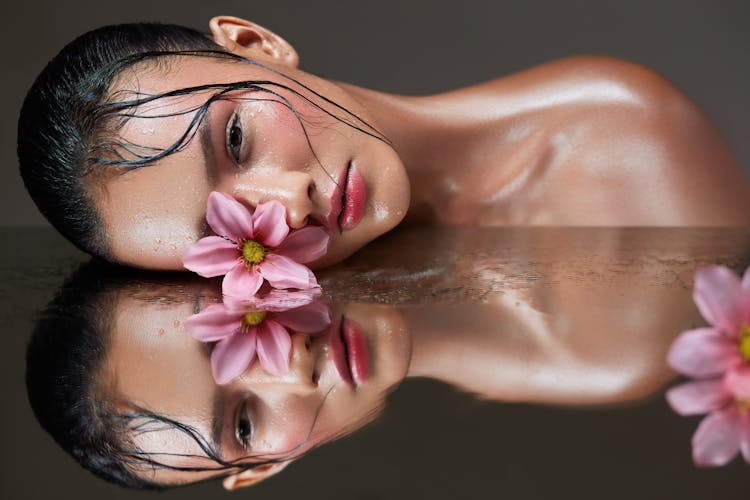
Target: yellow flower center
pixel 743 406
pixel 254 318
pixel 745 341
pixel 253 252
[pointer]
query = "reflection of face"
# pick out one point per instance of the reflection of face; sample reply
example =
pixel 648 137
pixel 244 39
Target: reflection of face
pixel 251 146
pixel 154 364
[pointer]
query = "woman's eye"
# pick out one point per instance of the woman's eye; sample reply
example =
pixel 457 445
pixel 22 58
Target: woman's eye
pixel 234 140
pixel 244 429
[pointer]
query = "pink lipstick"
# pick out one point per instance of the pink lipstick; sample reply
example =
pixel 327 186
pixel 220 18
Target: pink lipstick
pixel 347 201
pixel 348 348
pixel 355 195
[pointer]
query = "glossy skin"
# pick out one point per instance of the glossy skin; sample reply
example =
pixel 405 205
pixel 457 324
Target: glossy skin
pixel 254 150
pixel 581 141
pixel 288 415
pixel 539 321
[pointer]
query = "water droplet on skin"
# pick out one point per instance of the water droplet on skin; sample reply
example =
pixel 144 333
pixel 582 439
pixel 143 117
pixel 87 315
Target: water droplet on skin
pixel 381 211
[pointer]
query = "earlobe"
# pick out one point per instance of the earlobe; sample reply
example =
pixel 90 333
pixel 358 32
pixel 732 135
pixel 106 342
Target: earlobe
pixel 252 476
pixel 251 40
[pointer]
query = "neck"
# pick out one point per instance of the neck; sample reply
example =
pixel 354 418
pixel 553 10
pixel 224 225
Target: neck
pixel 411 123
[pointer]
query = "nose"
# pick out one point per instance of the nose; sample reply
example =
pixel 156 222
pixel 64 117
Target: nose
pixel 300 379
pixel 294 189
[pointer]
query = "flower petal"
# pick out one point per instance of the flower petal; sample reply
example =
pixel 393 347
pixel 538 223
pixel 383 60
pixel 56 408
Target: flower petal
pixel 745 302
pixel 241 282
pixel 211 256
pixel 718 295
pixel 231 356
pixel 312 318
pixel 697 398
pixel 702 352
pixel 737 381
pixel 305 245
pixel 213 323
pixel 274 347
pixel 746 280
pixel 283 272
pixel 228 217
pixel 717 439
pixel 745 439
pixel 282 300
pixel 269 221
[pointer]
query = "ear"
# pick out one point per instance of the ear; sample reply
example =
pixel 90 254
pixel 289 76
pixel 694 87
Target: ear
pixel 255 475
pixel 251 40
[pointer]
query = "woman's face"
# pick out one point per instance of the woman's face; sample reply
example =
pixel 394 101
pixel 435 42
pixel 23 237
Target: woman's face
pixel 251 145
pixel 153 363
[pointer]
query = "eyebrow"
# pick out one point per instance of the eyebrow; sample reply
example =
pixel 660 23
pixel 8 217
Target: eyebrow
pixel 207 145
pixel 217 421
pixel 205 133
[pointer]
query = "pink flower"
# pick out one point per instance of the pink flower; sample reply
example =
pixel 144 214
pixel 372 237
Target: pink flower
pixel 726 430
pixel 252 247
pixel 724 302
pixel 719 355
pixel 243 328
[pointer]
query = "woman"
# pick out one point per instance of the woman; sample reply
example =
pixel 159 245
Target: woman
pixel 126 132
pixel 524 330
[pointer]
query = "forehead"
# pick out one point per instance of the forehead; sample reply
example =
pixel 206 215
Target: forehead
pixel 152 213
pixel 153 363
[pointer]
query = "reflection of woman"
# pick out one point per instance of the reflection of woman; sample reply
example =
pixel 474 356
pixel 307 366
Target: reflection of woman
pixel 127 131
pixel 115 378
pixel 544 335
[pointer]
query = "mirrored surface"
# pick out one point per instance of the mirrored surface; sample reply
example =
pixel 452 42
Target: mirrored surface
pixel 562 332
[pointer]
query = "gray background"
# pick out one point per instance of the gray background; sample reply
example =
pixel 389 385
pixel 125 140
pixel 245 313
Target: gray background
pixel 409 47
pixel 418 46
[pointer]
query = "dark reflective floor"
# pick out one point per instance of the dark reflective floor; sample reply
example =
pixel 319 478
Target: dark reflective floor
pixel 434 441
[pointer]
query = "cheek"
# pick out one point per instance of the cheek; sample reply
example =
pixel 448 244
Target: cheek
pixel 278 137
pixel 286 427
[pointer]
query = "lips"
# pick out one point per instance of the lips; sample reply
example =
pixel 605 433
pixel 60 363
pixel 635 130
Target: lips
pixel 347 200
pixel 348 348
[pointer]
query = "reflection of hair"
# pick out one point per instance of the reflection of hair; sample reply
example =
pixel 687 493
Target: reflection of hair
pixel 64 357
pixel 69 120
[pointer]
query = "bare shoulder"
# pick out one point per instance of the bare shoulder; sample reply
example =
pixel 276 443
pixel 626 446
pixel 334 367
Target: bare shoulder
pixel 596 140
pixel 657 148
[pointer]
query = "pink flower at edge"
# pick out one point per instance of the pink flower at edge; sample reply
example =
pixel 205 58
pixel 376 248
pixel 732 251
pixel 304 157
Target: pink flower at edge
pixel 242 329
pixel 253 247
pixel 719 356
pixel 724 302
pixel 726 429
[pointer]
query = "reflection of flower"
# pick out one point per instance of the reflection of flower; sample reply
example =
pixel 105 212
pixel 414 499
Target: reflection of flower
pixel 719 355
pixel 254 247
pixel 243 328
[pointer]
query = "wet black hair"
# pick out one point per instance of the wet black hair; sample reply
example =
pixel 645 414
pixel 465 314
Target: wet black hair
pixel 56 126
pixel 68 124
pixel 63 366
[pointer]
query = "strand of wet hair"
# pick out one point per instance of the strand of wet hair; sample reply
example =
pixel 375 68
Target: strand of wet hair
pixel 135 58
pixel 140 457
pixel 201 111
